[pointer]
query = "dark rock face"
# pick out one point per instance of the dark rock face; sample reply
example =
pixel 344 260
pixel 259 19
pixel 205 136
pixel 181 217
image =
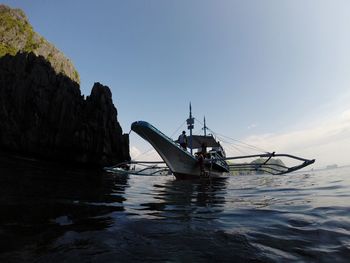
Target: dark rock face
pixel 43 114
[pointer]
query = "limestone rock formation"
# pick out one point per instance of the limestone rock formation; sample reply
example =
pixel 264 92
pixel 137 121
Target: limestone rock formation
pixel 43 114
pixel 17 35
pixel 42 111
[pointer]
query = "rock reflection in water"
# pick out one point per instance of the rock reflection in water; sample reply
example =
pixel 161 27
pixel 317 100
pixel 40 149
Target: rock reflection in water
pixel 41 201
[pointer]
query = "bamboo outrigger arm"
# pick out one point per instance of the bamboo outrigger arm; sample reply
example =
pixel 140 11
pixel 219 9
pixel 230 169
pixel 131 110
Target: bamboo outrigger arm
pixel 149 168
pixel 268 167
pixel 155 167
pixel 137 162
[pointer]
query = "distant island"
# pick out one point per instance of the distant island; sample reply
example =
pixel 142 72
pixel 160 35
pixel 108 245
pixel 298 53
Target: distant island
pixel 42 111
pixel 332 166
pixel 245 171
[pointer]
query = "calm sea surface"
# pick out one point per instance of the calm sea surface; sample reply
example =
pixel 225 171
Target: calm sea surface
pixel 52 214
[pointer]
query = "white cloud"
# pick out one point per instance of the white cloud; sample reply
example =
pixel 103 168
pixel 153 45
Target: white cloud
pixel 252 126
pixel 134 152
pixel 328 141
pixel 346 115
pixel 148 155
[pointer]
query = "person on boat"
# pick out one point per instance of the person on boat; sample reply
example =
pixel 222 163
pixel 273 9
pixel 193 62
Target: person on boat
pixel 183 140
pixel 204 149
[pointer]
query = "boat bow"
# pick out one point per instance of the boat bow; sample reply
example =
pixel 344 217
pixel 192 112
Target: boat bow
pixel 178 160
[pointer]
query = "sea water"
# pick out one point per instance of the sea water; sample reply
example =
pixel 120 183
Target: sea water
pixel 54 214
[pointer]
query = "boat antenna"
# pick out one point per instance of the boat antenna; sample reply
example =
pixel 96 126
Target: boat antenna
pixel 205 128
pixel 190 126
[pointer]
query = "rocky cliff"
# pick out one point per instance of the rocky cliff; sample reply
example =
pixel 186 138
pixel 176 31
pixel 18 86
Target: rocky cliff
pixel 43 114
pixel 17 35
pixel 42 111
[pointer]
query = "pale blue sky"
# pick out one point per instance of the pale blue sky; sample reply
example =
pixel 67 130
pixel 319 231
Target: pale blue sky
pixel 252 67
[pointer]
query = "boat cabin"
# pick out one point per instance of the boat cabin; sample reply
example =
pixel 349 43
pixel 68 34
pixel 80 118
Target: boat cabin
pixel 208 141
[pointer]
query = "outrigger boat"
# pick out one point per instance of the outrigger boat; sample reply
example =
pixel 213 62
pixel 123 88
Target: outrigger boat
pixel 184 164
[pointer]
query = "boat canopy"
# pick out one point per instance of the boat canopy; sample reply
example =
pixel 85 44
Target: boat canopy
pixel 197 141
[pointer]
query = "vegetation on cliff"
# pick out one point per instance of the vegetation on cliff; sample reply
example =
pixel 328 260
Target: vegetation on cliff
pixel 17 35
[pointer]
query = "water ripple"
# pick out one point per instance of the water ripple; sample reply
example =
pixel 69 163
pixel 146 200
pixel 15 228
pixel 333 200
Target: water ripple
pixel 67 215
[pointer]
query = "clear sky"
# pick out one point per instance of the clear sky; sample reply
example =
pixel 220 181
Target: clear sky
pixel 272 73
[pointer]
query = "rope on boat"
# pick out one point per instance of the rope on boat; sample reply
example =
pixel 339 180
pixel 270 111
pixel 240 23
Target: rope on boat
pixel 145 152
pixel 177 130
pixel 220 136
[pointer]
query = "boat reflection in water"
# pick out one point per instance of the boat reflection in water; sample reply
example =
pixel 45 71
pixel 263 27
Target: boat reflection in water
pixel 186 199
pixel 181 221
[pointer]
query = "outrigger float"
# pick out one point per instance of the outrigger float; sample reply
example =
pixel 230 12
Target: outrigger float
pixel 183 164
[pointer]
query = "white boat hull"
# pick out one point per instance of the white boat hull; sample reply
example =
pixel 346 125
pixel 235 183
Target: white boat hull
pixel 181 163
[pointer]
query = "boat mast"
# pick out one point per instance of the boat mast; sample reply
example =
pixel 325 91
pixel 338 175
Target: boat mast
pixel 205 128
pixel 190 126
